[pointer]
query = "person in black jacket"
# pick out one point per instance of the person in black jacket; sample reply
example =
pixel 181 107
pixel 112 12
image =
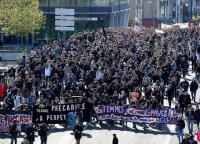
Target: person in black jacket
pixel 181 101
pixel 115 139
pixel 87 112
pixel 190 119
pixel 30 133
pixel 13 132
pixel 192 141
pixel 185 85
pixel 193 89
pixel 193 60
pixel 77 132
pixel 43 133
pixel 180 125
pixel 170 94
pixel 197 116
pixel 186 139
pixel 189 140
pixel 187 99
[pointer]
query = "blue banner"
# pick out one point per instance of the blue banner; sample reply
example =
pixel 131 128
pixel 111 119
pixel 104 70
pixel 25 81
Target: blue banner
pixel 72 118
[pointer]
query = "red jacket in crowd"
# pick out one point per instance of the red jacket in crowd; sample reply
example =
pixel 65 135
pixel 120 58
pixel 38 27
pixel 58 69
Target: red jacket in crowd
pixel 3 89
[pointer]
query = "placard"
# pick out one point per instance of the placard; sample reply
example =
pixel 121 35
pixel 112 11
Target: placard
pixel 62 11
pixel 7 118
pixel 129 114
pixel 55 114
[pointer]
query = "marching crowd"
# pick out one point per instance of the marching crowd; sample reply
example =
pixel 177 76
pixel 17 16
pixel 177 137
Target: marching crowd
pixel 110 66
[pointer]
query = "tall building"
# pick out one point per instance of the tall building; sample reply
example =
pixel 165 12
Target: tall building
pixel 120 10
pixel 185 10
pixel 93 14
pixel 136 7
pixel 197 8
pixel 169 11
pixel 109 13
pixel 133 9
pixel 144 9
pixel 164 6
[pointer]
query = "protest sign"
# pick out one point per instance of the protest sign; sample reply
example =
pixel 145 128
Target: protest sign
pixel 159 31
pixel 72 118
pixel 55 114
pixel 7 117
pixel 165 26
pixel 127 113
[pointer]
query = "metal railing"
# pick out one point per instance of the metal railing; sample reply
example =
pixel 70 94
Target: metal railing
pixel 14 47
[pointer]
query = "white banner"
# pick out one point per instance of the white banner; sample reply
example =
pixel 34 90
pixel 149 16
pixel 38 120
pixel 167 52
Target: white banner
pixel 64 12
pixel 64 23
pixel 69 18
pixel 165 26
pixel 72 18
pixel 86 18
pixel 64 28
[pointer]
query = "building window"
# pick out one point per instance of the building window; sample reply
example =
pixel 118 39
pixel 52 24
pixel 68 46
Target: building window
pixel 43 3
pixel 139 2
pixel 55 3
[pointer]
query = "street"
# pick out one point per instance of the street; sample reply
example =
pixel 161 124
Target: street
pixel 103 135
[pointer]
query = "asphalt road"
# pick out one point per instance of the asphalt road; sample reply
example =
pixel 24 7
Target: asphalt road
pixel 103 135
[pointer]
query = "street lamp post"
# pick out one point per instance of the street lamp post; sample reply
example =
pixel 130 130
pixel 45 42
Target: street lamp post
pixel 47 32
pixel 119 12
pixel 90 11
pixel 191 9
pixel 150 5
pixel 137 8
pixel 142 12
pixel 177 10
pixel 164 9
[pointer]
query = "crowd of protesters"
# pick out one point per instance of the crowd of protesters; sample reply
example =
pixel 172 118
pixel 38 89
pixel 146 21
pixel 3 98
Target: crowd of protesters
pixel 109 66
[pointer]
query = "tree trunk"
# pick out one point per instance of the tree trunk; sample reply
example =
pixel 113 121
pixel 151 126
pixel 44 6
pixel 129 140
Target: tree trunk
pixel 22 40
pixel 33 39
pixel 26 40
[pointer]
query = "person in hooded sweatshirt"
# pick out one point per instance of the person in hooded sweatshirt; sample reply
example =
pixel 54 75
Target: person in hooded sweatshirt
pixel 115 139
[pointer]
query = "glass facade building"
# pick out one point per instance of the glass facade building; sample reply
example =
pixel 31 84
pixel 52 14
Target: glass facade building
pixel 73 3
pixel 108 13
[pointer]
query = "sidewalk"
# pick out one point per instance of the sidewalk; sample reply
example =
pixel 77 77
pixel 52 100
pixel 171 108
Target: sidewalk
pixel 6 63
